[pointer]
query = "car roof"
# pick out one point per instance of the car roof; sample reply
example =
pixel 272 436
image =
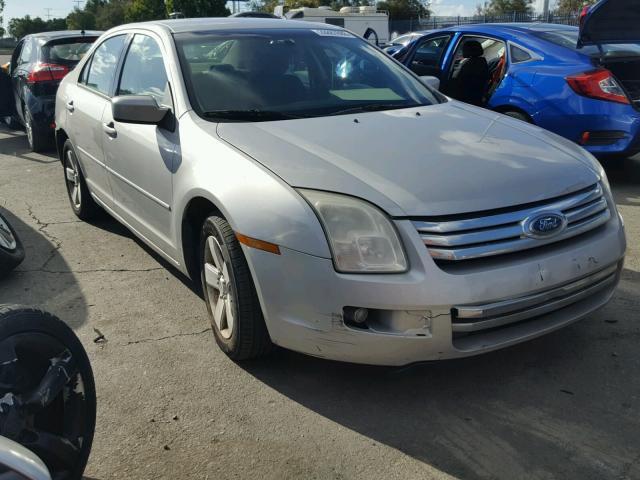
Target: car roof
pixel 66 34
pixel 512 28
pixel 184 25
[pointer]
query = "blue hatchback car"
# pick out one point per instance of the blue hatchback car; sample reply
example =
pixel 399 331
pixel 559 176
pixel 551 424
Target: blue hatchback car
pixel 583 84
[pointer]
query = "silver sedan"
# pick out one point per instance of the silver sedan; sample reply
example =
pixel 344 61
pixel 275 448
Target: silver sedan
pixel 326 199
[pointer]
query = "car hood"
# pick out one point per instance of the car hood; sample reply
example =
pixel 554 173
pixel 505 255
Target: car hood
pixel 610 21
pixel 428 161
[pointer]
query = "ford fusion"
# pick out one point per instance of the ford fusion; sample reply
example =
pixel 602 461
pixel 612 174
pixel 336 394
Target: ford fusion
pixel 327 200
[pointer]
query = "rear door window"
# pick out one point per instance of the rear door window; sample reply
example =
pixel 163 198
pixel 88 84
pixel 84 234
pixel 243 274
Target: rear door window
pixel 101 70
pixel 426 59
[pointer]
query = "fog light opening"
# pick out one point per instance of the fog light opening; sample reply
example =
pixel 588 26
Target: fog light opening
pixel 356 316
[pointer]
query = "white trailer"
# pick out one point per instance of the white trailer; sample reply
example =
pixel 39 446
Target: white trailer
pixel 367 22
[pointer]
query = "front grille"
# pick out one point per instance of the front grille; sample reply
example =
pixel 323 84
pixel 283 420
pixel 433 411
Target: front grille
pixel 472 319
pixel 472 237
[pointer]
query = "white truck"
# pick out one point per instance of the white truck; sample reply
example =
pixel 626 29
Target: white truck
pixel 368 22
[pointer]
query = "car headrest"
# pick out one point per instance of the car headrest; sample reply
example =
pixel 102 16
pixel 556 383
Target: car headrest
pixel 471 49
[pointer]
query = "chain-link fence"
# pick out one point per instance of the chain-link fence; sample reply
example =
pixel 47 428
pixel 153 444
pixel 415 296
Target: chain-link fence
pixel 411 25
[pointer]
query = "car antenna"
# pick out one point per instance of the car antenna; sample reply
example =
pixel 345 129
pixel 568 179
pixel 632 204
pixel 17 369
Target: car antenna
pixel 82 32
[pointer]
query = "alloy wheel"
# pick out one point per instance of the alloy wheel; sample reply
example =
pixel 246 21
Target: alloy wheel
pixel 218 285
pixel 72 174
pixel 29 129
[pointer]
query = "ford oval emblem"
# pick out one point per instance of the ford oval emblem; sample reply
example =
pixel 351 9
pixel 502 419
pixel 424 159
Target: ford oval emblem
pixel 544 225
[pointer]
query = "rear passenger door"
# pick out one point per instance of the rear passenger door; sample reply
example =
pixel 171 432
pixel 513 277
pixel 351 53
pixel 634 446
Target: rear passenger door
pixel 85 104
pixel 139 157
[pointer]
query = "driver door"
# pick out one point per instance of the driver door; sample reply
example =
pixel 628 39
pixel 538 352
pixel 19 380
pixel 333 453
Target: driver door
pixel 6 95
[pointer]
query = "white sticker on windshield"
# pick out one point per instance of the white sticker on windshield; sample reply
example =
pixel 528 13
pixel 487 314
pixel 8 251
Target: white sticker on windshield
pixel 326 32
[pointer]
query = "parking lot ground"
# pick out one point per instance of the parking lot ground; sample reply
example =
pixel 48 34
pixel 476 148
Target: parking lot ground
pixel 172 406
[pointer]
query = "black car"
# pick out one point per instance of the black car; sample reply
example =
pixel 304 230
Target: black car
pixel 28 91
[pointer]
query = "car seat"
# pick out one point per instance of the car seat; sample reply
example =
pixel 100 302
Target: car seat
pixel 473 77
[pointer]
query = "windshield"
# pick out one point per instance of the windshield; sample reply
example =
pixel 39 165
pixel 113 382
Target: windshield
pixel 569 38
pixel 279 74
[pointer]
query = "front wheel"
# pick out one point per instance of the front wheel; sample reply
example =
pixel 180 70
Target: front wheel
pixel 230 295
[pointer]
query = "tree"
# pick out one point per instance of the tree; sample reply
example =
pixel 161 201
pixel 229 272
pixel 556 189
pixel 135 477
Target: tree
pixel 110 14
pixel 404 9
pixel 1 19
pixel 19 27
pixel 143 10
pixel 566 7
pixel 81 20
pixel 504 7
pixel 198 8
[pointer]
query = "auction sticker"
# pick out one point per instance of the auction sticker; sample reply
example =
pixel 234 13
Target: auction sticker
pixel 326 32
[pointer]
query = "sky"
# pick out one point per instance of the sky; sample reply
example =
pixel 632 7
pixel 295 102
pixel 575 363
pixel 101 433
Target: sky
pixel 60 8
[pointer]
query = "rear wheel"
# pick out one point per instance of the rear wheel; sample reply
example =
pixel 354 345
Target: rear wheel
pixel 82 203
pixel 230 295
pixel 519 115
pixel 11 249
pixel 38 141
pixel 47 390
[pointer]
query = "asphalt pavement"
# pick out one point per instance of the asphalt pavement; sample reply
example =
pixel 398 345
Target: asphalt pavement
pixel 171 405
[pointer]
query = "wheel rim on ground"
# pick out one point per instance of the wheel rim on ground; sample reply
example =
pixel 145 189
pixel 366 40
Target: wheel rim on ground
pixel 218 285
pixel 43 399
pixel 72 175
pixel 7 240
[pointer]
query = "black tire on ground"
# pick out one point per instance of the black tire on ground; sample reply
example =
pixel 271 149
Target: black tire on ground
pixel 38 140
pixel 519 115
pixel 86 208
pixel 31 342
pixel 10 258
pixel 249 337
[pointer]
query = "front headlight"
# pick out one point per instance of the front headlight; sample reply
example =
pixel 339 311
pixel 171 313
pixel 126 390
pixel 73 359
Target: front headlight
pixel 361 237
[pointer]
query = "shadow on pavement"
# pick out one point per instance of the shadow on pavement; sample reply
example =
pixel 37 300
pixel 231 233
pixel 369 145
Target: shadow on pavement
pixel 624 176
pixel 561 406
pixel 30 284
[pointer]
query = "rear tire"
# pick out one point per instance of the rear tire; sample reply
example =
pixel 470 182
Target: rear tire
pixel 11 249
pixel 82 203
pixel 232 302
pixel 38 141
pixel 519 115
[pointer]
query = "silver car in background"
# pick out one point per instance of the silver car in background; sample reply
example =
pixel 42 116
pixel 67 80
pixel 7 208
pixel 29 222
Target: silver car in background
pixel 329 201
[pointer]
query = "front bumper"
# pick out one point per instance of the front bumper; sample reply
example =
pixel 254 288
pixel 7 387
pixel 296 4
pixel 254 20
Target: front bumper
pixel 303 297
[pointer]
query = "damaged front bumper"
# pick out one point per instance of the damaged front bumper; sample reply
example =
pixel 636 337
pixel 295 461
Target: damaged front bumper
pixel 431 313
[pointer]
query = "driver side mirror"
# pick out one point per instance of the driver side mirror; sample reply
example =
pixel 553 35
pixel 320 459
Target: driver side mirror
pixel 141 109
pixel 430 81
pixel 21 461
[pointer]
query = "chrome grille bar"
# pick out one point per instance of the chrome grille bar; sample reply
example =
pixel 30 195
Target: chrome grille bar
pixel 479 237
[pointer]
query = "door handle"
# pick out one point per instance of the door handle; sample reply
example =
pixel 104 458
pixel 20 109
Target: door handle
pixel 109 129
pixel 70 106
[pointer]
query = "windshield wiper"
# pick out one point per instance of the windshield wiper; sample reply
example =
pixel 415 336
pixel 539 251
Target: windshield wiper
pixel 374 107
pixel 251 115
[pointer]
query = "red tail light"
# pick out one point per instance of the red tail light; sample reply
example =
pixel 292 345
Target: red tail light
pixel 598 84
pixel 583 14
pixel 46 72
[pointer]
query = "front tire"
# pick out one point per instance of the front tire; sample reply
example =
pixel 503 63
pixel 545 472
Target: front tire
pixel 82 203
pixel 232 302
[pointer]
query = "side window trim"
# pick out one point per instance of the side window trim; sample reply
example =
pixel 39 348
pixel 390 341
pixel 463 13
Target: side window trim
pixel 533 55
